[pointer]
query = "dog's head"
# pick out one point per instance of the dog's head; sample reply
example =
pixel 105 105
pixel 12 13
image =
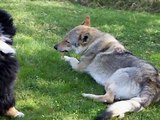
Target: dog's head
pixel 7 31
pixel 78 39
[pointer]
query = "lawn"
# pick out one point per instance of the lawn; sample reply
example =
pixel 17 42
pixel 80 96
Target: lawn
pixel 47 88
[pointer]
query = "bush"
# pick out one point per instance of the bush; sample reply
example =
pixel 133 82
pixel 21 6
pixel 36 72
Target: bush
pixel 140 5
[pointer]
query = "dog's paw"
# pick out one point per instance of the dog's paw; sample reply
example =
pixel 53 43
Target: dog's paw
pixel 87 95
pixel 84 94
pixel 19 114
pixel 121 116
pixel 66 58
pixel 71 59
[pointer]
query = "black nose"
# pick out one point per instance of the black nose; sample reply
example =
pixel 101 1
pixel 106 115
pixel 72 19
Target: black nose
pixel 56 46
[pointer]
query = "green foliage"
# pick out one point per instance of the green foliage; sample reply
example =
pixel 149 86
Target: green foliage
pixel 47 88
pixel 139 5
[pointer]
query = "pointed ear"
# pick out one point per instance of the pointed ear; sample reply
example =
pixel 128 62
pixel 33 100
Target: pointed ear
pixel 84 37
pixel 87 21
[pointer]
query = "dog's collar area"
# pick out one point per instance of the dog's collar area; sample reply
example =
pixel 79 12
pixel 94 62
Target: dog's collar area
pixel 13 55
pixel 83 52
pixel 104 49
pixel 6 48
pixel 2 55
pixel 122 53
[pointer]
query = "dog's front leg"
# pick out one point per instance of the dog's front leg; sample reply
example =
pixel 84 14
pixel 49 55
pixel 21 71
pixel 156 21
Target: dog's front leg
pixel 73 62
pixel 13 112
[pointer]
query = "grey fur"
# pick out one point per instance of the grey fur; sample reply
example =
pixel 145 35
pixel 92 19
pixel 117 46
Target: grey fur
pixel 123 75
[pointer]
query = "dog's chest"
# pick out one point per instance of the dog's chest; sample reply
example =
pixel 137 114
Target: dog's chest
pixel 98 74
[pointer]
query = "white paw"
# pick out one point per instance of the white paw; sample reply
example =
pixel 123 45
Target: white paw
pixel 88 95
pixel 84 94
pixel 66 58
pixel 19 114
pixel 142 108
pixel 121 116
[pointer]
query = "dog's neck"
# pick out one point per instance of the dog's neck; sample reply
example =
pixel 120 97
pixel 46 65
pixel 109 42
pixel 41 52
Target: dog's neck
pixel 106 44
pixel 103 44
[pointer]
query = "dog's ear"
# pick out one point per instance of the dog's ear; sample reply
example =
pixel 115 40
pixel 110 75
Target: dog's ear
pixel 84 37
pixel 87 21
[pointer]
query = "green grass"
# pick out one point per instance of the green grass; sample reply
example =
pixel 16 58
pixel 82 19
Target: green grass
pixel 47 88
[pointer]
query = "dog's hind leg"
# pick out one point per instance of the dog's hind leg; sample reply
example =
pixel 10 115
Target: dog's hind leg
pixel 145 98
pixel 107 98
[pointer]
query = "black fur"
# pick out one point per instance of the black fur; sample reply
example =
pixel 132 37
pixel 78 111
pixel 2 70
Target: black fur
pixel 104 116
pixel 8 65
pixel 6 25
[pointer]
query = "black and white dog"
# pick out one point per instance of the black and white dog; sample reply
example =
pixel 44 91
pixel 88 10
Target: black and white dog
pixel 8 66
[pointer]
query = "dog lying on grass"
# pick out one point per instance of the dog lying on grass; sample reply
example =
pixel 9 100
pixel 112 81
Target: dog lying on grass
pixel 126 78
pixel 8 66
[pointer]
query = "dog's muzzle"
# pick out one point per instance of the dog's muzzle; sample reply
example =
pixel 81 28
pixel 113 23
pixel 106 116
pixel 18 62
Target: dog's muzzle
pixel 56 48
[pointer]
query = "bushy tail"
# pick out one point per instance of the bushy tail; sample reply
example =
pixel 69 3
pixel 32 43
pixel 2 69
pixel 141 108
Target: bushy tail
pixel 119 109
pixel 7 29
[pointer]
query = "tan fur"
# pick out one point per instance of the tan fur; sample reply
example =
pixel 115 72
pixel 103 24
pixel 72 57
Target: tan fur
pixel 87 21
pixel 13 112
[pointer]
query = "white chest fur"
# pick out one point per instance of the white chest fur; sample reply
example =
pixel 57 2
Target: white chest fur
pixel 119 82
pixel 98 75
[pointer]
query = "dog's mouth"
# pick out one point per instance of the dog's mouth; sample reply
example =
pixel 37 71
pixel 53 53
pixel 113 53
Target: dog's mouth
pixel 62 49
pixel 62 52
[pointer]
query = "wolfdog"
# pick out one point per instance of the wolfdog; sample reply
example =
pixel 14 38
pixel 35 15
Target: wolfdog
pixel 126 78
pixel 8 66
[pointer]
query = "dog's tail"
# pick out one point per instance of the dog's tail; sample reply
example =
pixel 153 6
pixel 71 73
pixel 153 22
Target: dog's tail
pixel 7 29
pixel 119 109
pixel 150 93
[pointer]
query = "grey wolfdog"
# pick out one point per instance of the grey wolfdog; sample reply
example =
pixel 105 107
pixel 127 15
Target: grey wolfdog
pixel 132 81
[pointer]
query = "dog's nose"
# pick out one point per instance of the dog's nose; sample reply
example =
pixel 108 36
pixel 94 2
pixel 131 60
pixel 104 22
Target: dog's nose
pixel 56 46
